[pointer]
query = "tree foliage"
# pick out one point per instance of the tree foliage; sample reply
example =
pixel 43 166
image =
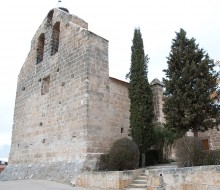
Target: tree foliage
pixel 189 151
pixel 190 83
pixel 140 94
pixel 163 141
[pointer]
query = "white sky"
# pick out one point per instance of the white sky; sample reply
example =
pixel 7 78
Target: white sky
pixel 114 20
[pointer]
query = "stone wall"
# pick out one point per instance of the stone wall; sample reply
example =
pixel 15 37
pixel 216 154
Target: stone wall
pixel 64 172
pixel 119 105
pixel 108 114
pixel 67 109
pixel 213 138
pixel 113 180
pixel 50 126
pixel 191 178
pixel 59 101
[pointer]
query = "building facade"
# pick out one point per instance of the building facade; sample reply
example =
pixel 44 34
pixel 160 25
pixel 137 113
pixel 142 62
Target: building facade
pixel 68 110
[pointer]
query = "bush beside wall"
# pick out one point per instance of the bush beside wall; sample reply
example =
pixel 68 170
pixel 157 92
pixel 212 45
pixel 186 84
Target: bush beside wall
pixel 189 152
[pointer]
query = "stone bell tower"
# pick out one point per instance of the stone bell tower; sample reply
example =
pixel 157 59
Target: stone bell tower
pixel 60 126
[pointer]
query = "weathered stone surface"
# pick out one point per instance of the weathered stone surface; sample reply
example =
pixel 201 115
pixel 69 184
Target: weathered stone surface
pixel 157 89
pixel 111 180
pixel 67 109
pixel 191 178
pixel 58 171
pixel 213 137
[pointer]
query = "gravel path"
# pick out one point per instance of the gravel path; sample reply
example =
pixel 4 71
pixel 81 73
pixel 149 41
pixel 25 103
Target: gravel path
pixel 35 185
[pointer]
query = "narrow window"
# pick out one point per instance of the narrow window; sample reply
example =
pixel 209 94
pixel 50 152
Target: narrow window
pixel 55 38
pixel 122 130
pixel 45 85
pixel 40 48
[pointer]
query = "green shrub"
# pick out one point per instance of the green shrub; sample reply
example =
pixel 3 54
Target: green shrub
pixel 164 138
pixel 123 155
pixel 211 157
pixel 189 151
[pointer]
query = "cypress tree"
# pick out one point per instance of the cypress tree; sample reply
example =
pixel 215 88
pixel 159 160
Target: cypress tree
pixel 190 85
pixel 140 94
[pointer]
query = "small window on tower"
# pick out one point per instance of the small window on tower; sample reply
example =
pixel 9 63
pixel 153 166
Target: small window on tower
pixel 40 48
pixel 55 38
pixel 45 85
pixel 122 130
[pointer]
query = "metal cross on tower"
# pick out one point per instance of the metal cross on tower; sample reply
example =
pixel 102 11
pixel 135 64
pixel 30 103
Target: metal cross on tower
pixel 59 1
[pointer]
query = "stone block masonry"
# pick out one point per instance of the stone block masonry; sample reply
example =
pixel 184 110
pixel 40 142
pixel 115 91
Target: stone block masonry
pixel 157 90
pixel 50 118
pixel 111 180
pixel 67 109
pixel 191 178
pixel 212 137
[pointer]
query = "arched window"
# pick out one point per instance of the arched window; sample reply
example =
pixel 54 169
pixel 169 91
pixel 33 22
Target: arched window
pixel 40 48
pixel 50 17
pixel 55 38
pixel 45 85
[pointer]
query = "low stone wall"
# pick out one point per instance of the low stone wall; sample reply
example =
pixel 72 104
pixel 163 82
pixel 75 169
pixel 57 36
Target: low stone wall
pixel 111 180
pixel 64 172
pixel 190 178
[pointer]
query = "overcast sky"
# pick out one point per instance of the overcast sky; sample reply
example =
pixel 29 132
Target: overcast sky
pixel 114 20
